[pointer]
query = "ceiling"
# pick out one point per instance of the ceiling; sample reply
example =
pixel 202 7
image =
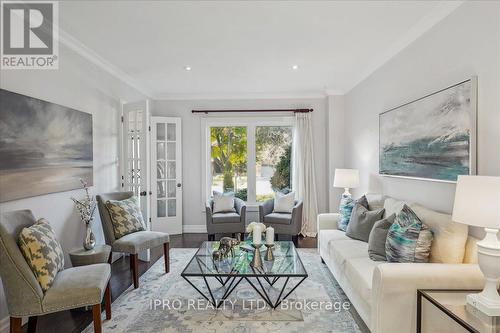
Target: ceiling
pixel 244 48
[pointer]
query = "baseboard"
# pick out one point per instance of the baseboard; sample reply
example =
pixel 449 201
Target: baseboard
pixel 4 325
pixel 194 229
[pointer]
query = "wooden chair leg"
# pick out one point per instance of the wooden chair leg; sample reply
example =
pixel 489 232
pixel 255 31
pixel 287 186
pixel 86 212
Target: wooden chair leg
pixel 135 269
pixel 32 324
pixel 166 254
pixel 107 302
pixel 96 315
pixel 15 325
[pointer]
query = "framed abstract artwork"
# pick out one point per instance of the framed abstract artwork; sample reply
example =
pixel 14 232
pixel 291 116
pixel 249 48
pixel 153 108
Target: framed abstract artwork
pixel 44 147
pixel 433 137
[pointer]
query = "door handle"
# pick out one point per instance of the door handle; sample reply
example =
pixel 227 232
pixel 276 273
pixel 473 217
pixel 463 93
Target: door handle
pixel 143 193
pixel 179 185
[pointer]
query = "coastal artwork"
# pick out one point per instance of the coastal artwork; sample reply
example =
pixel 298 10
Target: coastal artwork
pixel 433 137
pixel 44 147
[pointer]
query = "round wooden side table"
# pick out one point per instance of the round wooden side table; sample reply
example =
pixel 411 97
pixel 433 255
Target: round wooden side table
pixel 99 254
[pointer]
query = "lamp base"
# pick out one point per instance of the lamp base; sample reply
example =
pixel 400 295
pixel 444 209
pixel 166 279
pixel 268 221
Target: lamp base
pixel 488 255
pixel 485 305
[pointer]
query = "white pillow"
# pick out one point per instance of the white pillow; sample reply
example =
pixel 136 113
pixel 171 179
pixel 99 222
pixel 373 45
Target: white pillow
pixel 283 203
pixel 223 203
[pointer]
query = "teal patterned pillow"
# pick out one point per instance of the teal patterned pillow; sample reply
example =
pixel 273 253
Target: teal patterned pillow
pixel 345 209
pixel 408 239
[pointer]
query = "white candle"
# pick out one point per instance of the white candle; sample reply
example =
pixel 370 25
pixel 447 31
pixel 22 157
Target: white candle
pixel 270 235
pixel 257 235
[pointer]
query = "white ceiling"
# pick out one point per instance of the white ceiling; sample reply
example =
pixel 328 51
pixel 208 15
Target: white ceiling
pixel 244 48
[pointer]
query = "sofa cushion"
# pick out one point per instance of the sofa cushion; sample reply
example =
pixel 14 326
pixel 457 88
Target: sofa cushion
pixel 225 218
pixel 448 244
pixel 126 216
pixel 375 201
pixel 342 250
pixel 42 252
pixel 278 218
pixel 362 221
pixel 359 273
pixel 378 236
pixel 393 206
pixel 77 287
pixel 138 241
pixel 328 235
pixel 408 240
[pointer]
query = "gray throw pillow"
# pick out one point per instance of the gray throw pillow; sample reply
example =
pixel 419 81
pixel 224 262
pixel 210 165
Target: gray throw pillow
pixel 378 235
pixel 362 221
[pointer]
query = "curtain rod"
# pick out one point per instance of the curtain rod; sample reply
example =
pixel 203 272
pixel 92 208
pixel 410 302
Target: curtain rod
pixel 264 110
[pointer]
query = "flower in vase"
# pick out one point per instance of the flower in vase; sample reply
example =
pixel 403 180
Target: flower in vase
pixel 251 227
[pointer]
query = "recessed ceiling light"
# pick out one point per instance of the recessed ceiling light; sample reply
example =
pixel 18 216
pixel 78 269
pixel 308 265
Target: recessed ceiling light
pixel 295 67
pixel 188 68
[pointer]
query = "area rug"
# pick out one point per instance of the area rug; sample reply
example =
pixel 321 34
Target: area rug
pixel 167 303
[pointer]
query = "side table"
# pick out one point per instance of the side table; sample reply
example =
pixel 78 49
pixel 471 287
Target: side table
pixel 99 254
pixel 453 304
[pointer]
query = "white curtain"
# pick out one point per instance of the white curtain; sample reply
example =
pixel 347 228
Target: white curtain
pixel 303 178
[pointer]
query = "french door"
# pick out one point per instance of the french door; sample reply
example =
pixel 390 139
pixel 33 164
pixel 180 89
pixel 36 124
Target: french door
pixel 135 150
pixel 166 175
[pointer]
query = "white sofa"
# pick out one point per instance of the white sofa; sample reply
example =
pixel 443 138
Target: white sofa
pixel 384 294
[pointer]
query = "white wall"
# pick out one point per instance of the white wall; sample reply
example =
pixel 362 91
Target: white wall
pixel 193 216
pixel 82 86
pixel 464 44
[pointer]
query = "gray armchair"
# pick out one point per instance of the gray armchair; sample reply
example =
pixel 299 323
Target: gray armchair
pixel 226 222
pixel 132 243
pixel 283 223
pixel 72 288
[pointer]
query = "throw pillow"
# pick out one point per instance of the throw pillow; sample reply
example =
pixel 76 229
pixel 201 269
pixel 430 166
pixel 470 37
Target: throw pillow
pixel 345 209
pixel 283 203
pixel 42 252
pixel 378 236
pixel 126 216
pixel 408 239
pixel 223 202
pixel 362 221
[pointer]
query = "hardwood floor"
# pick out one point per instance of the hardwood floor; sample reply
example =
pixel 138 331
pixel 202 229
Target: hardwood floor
pixel 121 278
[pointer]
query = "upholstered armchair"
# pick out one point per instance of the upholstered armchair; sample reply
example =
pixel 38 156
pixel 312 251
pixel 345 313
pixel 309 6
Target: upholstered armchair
pixel 283 223
pixel 225 222
pixel 72 288
pixel 132 243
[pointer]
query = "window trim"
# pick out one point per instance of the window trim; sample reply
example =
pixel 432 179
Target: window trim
pixel 234 121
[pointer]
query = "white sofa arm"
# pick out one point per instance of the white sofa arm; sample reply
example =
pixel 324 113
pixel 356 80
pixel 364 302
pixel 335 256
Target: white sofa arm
pixel 394 291
pixel 328 221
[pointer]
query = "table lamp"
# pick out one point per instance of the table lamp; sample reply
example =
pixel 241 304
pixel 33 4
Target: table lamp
pixel 346 178
pixel 477 203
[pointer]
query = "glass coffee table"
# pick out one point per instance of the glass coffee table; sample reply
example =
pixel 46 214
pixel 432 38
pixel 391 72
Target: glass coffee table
pixel 274 281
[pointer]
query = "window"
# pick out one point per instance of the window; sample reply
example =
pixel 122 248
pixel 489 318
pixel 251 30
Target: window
pixel 273 146
pixel 228 156
pixel 250 157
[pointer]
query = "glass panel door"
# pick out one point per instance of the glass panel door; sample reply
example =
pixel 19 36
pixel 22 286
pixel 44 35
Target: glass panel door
pixel 166 175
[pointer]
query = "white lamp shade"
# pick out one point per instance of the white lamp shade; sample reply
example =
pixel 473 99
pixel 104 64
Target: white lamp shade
pixel 346 178
pixel 477 201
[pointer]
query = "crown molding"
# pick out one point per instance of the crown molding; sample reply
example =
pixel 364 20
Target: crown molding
pixel 240 96
pixel 440 12
pixel 87 53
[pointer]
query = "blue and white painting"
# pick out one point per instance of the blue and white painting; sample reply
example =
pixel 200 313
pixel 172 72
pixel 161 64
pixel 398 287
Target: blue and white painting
pixel 44 147
pixel 432 137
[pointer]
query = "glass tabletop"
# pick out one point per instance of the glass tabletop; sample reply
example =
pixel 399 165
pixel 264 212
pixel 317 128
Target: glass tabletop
pixel 454 304
pixel 286 262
